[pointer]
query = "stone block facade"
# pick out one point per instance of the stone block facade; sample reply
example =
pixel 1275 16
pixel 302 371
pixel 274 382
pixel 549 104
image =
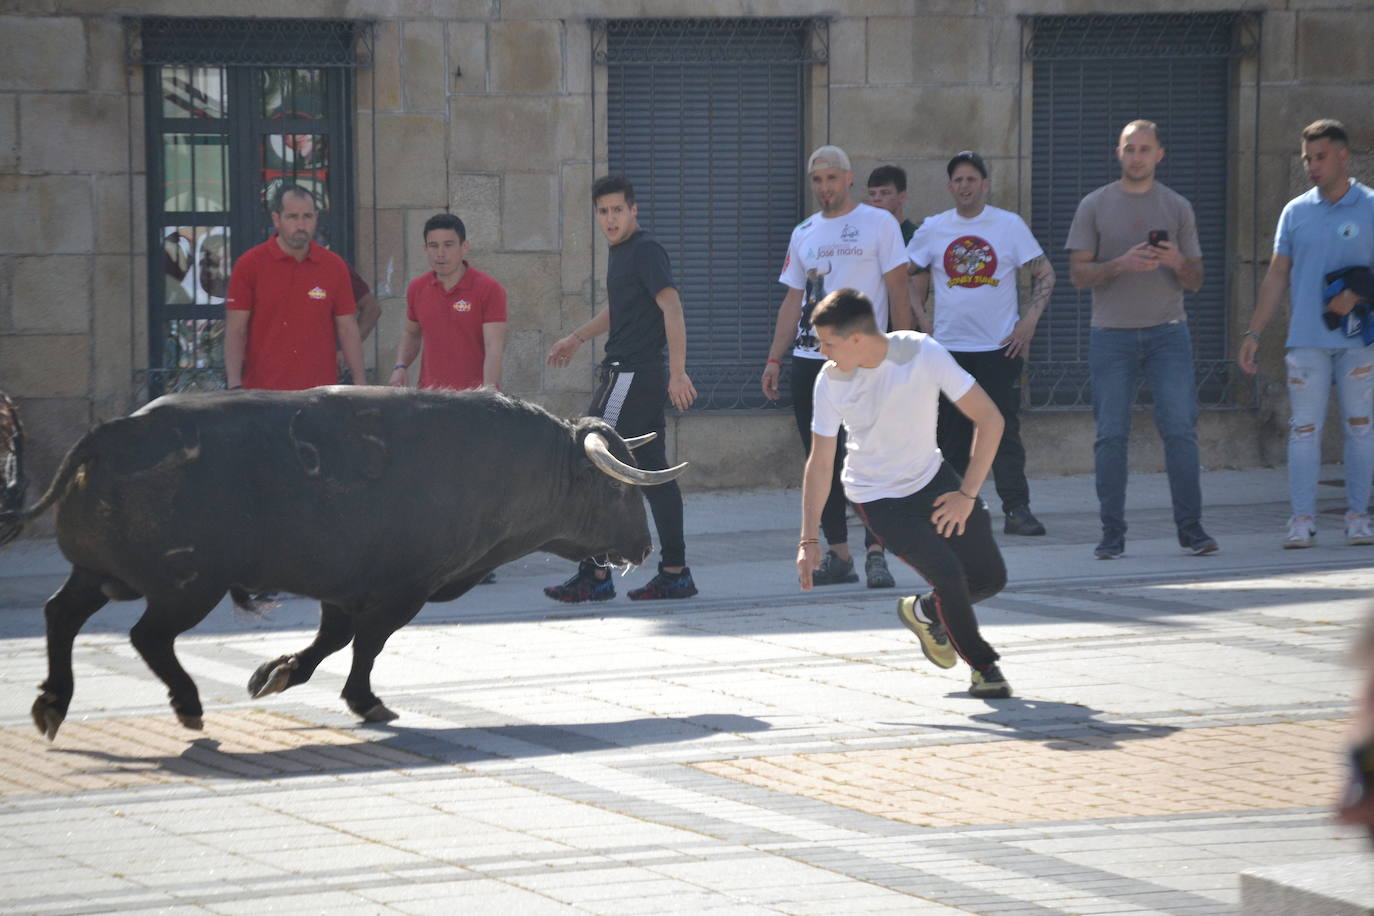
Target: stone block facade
pixel 497 112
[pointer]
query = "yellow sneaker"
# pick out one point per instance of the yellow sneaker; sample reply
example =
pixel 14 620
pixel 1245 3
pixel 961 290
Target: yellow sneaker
pixel 934 641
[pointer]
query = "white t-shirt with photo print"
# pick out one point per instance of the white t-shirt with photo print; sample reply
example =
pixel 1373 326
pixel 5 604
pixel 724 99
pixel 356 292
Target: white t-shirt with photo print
pixel 854 251
pixel 973 266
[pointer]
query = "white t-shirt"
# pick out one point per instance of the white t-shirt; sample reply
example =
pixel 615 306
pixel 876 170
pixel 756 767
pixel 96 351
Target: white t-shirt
pixel 973 268
pixel 889 415
pixel 853 250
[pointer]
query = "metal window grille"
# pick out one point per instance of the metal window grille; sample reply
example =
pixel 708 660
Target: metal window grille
pixel 706 117
pixel 234 109
pixel 1091 75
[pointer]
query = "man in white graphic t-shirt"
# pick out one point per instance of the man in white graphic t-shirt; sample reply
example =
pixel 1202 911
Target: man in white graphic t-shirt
pixel 970 255
pixel 844 244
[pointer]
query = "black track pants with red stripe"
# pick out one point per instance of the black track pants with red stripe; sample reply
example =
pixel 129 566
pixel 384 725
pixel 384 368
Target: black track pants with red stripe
pixel 963 569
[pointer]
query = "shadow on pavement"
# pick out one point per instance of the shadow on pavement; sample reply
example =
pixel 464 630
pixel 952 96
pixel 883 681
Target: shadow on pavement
pixel 1059 726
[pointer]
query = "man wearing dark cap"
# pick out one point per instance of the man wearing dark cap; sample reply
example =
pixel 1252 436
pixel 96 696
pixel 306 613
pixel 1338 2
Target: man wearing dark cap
pixel 1134 244
pixel 971 255
pixel 844 244
pixel 1324 245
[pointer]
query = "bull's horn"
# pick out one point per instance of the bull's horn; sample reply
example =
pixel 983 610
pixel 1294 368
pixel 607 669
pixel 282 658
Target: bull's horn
pixel 637 441
pixel 611 466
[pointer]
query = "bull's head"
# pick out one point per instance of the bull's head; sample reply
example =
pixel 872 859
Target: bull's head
pixel 616 526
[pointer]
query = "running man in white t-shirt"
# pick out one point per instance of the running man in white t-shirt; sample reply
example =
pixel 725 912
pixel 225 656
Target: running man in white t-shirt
pixel 970 255
pixel 885 390
pixel 843 244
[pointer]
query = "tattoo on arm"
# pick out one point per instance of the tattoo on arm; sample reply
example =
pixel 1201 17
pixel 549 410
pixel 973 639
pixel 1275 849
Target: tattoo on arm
pixel 1042 285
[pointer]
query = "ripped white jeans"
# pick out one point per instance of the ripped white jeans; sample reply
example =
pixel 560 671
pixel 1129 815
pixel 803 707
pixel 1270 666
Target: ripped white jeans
pixel 1311 372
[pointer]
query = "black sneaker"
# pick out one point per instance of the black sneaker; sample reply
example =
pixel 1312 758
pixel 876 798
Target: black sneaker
pixel 1110 547
pixel 1196 541
pixel 583 586
pixel 834 571
pixel 665 585
pixel 488 579
pixel 1020 521
pixel 989 684
pixel 876 571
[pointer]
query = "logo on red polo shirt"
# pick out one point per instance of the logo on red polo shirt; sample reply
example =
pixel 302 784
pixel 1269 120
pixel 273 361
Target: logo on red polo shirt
pixel 462 305
pixel 317 293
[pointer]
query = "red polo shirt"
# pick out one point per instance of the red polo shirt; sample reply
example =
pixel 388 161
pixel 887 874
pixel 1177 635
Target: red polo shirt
pixel 293 304
pixel 451 325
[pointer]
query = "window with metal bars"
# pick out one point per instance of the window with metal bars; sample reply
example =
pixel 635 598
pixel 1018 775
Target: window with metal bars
pixel 706 119
pixel 233 109
pixel 1091 76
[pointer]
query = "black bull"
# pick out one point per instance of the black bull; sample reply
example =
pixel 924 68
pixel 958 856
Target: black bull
pixel 372 500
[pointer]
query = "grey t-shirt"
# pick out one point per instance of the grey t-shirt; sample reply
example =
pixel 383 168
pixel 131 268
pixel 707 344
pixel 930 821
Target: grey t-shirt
pixel 1109 222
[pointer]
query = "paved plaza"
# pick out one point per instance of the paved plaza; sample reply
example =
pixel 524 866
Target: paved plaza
pixel 1177 721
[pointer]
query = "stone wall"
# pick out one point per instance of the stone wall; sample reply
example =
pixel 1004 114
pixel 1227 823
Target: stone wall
pixel 496 112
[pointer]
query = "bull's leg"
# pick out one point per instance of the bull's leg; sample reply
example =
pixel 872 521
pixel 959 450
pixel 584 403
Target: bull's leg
pixel 336 629
pixel 69 607
pixel 153 636
pixel 371 631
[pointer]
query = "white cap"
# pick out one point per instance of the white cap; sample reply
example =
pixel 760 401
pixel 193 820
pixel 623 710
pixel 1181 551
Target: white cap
pixel 828 157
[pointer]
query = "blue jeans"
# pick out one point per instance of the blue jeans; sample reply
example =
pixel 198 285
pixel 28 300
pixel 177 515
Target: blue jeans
pixel 1115 359
pixel 1310 373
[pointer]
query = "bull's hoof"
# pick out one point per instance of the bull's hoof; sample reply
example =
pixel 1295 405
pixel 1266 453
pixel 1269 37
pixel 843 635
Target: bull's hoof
pixel 47 715
pixel 195 723
pixel 272 677
pixel 379 713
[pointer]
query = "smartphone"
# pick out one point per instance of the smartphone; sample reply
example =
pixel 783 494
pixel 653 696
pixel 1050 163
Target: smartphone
pixel 1157 236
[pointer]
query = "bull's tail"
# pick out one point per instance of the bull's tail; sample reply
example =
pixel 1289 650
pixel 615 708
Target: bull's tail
pixel 12 520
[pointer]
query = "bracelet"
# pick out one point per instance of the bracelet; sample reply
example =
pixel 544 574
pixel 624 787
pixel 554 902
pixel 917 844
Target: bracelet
pixel 772 360
pixel 235 388
pixel 1254 334
pixel 804 541
pixel 966 496
pixel 399 366
pixel 578 337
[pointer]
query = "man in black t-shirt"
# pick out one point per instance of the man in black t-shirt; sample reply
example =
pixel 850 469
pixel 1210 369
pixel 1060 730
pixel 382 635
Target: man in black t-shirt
pixel 643 314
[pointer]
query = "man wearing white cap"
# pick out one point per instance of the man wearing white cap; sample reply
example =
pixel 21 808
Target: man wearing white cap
pixel 844 244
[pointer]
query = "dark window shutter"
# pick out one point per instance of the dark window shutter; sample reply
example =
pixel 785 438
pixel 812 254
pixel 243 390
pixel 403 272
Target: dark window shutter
pixel 705 118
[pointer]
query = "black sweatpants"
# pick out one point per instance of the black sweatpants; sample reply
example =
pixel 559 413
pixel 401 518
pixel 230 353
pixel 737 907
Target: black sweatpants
pixel 1000 377
pixel 963 569
pixel 632 401
pixel 804 372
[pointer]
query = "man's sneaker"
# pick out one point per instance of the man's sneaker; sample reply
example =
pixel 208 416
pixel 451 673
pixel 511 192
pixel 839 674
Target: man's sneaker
pixel 488 579
pixel 834 571
pixel 989 684
pixel 665 585
pixel 1357 530
pixel 1110 547
pixel 1020 521
pixel 934 641
pixel 1301 533
pixel 583 586
pixel 877 573
pixel 1197 542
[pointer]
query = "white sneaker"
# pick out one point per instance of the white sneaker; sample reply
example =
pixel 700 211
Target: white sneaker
pixel 1357 530
pixel 1301 533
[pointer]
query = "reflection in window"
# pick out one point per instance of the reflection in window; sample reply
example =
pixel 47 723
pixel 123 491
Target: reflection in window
pixel 292 94
pixel 301 159
pixel 196 264
pixel 195 343
pixel 193 92
pixel 196 172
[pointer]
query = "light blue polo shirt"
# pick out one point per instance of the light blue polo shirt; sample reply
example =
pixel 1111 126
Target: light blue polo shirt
pixel 1321 237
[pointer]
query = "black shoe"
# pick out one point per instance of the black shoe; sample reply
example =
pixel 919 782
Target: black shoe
pixel 583 586
pixel 488 579
pixel 1110 547
pixel 834 571
pixel 1196 541
pixel 876 571
pixel 665 585
pixel 989 684
pixel 1020 521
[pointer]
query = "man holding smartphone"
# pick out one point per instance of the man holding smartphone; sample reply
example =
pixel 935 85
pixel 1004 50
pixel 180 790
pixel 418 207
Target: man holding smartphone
pixel 1134 244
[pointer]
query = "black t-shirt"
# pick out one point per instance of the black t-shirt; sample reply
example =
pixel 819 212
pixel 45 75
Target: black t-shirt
pixel 638 271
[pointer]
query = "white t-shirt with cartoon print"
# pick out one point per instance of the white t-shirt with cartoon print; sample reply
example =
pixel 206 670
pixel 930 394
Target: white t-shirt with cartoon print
pixel 853 250
pixel 889 415
pixel 973 266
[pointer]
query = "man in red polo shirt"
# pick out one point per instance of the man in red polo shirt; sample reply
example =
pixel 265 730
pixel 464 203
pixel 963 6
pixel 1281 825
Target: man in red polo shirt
pixel 289 301
pixel 456 311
